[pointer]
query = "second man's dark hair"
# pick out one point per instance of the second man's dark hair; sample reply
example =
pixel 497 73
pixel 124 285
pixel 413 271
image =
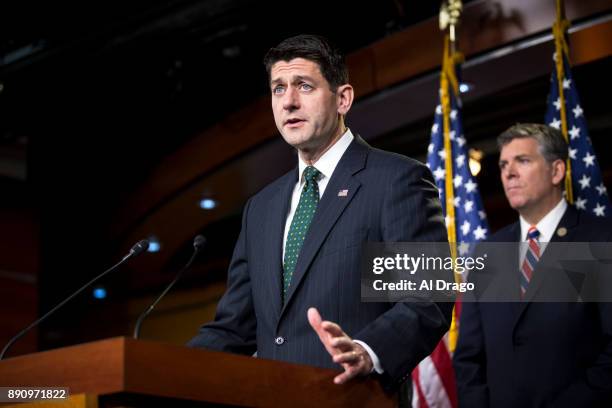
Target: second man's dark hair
pixel 550 140
pixel 313 48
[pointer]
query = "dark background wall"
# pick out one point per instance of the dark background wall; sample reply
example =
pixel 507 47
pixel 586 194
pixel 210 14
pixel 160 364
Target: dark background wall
pixel 116 119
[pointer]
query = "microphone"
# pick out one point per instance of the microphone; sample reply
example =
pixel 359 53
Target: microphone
pixel 198 244
pixel 136 250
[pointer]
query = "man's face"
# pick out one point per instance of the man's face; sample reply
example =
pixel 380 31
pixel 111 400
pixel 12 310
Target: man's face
pixel 530 182
pixel 305 109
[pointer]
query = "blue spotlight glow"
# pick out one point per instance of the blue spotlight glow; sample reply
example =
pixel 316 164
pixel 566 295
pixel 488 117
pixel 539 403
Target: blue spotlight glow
pixel 465 87
pixel 99 292
pixel 207 203
pixel 154 244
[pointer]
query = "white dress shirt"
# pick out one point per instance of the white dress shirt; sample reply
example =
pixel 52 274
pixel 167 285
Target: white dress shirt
pixel 326 166
pixel 546 227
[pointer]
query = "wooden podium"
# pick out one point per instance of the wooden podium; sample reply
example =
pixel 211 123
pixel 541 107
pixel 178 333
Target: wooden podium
pixel 139 373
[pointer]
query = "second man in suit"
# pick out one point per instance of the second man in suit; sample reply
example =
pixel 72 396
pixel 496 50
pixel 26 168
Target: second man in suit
pixel 527 353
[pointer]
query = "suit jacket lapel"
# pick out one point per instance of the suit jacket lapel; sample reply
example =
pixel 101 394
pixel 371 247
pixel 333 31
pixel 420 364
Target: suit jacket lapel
pixel 278 207
pixel 568 221
pixel 329 209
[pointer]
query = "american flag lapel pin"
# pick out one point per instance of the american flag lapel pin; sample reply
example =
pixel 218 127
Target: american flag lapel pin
pixel 342 193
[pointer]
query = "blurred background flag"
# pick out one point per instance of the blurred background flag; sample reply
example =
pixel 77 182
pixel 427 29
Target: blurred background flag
pixel 584 185
pixel 433 380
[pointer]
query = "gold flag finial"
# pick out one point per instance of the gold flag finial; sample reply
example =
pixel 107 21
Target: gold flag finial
pixel 450 13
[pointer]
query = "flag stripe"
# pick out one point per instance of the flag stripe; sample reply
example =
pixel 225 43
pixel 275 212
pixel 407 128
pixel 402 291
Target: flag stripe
pixel 444 366
pixel 433 391
pixel 419 401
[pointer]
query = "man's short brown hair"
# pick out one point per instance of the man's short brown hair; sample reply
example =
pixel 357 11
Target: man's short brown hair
pixel 550 140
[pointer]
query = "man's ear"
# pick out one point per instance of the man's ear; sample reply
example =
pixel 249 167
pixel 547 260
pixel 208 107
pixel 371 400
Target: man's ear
pixel 344 98
pixel 558 171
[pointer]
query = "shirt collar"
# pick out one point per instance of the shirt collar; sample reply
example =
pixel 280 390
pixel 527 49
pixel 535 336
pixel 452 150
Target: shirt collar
pixel 547 225
pixel 330 159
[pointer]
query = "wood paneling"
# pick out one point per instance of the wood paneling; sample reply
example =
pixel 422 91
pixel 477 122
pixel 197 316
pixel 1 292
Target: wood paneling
pixel 166 205
pixel 19 268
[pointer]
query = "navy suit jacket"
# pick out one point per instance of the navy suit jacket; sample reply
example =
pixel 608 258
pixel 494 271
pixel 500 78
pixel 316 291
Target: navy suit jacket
pixel 537 354
pixel 390 198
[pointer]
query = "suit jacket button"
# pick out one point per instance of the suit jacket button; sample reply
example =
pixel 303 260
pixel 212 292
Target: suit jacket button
pixel 279 340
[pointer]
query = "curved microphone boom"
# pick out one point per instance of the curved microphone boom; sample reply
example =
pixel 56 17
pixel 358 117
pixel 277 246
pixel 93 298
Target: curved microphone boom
pixel 136 250
pixel 198 243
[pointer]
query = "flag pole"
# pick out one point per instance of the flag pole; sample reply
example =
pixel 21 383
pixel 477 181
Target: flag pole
pixel 562 50
pixel 449 18
pixel 450 12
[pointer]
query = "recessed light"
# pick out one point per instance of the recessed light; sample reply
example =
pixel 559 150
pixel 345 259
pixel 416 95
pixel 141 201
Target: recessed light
pixel 207 203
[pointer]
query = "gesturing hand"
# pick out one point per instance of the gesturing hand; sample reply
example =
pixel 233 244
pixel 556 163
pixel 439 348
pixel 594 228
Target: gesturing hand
pixel 352 356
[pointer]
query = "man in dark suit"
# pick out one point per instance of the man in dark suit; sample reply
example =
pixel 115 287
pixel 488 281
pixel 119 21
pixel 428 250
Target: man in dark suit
pixel 536 353
pixel 298 253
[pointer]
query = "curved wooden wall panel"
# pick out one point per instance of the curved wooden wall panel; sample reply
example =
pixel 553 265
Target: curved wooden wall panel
pixel 167 203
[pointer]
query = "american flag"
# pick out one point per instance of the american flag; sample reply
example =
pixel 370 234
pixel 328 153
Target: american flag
pixel 470 218
pixel 588 190
pixel 433 380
